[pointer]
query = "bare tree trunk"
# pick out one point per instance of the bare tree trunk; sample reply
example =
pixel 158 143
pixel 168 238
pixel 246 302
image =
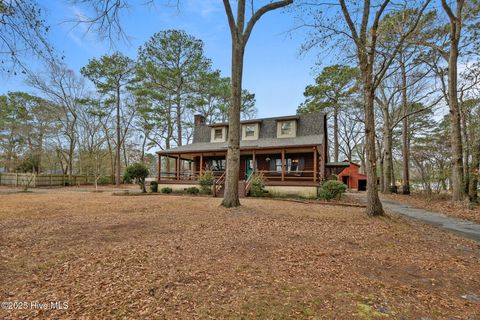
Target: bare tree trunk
pixel 466 148
pixel 392 178
pixel 456 133
pixel 405 131
pixel 361 155
pixel 70 161
pixel 124 151
pixel 374 206
pixel 117 155
pixel 144 142
pixel 179 120
pixel 240 34
pixel 381 171
pixel 365 38
pixel 231 198
pixel 387 152
pixel 335 134
pixel 169 135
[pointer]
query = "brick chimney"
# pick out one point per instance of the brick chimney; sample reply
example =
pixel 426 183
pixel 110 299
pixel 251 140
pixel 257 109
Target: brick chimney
pixel 198 120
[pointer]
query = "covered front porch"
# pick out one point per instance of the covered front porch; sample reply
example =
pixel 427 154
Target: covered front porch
pixel 281 167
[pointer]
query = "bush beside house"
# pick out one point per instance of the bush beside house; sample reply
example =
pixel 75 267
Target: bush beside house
pixel 206 181
pixel 332 189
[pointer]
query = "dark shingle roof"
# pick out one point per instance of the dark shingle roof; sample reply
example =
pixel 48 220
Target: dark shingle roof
pixel 310 131
pixel 266 143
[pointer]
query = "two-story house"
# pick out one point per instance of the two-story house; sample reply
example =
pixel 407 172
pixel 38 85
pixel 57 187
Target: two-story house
pixel 289 151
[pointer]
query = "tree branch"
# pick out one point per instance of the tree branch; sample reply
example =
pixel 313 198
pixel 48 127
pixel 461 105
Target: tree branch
pixel 231 19
pixel 449 11
pixel 260 12
pixel 350 24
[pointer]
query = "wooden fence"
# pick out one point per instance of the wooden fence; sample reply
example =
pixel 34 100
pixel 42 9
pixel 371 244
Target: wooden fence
pixel 44 180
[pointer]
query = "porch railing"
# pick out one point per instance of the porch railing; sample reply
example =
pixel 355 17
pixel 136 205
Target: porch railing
pixel 218 183
pixel 268 175
pixel 189 175
pixel 288 175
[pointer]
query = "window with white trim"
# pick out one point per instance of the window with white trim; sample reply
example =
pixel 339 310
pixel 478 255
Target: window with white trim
pixel 250 130
pixel 218 135
pixel 286 129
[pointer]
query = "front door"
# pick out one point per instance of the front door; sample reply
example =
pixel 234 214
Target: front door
pixel 248 167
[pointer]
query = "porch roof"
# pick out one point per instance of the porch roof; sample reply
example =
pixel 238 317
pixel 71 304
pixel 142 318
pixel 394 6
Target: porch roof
pixel 265 143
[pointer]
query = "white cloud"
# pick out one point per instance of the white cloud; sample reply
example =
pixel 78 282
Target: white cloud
pixel 80 34
pixel 206 8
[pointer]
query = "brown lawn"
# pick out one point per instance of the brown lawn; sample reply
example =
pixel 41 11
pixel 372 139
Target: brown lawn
pixel 159 257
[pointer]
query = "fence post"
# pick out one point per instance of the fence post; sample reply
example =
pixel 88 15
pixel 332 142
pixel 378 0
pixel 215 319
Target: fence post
pixel 50 179
pixel 34 180
pixel 16 179
pixel 86 179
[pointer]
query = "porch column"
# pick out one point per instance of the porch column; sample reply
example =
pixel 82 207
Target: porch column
pixel 201 163
pixel 159 174
pixel 283 164
pixel 323 162
pixel 254 162
pixel 315 164
pixel 178 167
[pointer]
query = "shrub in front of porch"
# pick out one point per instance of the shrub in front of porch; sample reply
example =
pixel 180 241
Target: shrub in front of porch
pixel 206 181
pixel 192 190
pixel 166 190
pixel 257 188
pixel 332 189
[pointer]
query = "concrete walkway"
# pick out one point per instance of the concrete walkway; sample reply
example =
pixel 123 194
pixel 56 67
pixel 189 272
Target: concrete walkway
pixel 461 227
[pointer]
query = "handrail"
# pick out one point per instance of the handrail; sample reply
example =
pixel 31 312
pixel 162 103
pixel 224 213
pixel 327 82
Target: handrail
pixel 248 182
pixel 218 183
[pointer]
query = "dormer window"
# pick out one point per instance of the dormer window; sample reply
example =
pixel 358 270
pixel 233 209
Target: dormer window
pixel 250 131
pixel 286 129
pixel 218 134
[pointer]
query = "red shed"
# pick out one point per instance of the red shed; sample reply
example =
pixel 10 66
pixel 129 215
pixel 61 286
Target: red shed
pixel 352 177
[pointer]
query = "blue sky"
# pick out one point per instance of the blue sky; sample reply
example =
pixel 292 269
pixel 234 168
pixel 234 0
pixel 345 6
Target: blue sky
pixel 273 69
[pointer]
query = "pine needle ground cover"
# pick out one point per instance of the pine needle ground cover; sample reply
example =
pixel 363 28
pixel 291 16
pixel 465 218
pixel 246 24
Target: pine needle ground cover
pixel 186 257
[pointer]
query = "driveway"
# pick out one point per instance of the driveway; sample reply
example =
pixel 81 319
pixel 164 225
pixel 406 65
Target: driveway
pixel 461 227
